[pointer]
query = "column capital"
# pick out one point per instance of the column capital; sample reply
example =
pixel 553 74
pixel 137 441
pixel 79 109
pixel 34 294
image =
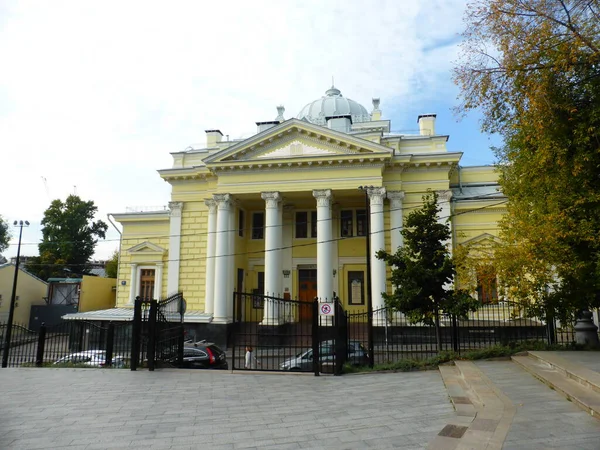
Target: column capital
pixel 212 205
pixel 323 196
pixel 159 264
pixel 272 199
pixel 445 195
pixel 395 195
pixel 175 208
pixel 223 201
pixel 376 195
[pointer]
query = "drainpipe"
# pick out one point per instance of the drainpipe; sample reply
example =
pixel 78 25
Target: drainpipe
pixel 459 180
pixel 119 257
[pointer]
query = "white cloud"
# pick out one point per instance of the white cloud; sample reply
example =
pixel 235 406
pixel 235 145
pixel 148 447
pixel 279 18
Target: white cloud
pixel 96 95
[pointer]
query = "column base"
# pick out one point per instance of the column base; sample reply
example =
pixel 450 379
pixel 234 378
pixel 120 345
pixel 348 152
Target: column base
pixel 272 322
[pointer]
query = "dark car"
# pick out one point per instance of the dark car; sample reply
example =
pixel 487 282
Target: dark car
pixel 203 355
pixel 357 356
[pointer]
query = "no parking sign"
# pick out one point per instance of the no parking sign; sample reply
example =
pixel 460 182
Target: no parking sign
pixel 326 309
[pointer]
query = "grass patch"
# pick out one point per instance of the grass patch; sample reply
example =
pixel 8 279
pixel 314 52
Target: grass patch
pixel 496 351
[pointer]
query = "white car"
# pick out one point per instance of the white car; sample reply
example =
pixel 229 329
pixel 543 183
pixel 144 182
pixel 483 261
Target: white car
pixel 91 358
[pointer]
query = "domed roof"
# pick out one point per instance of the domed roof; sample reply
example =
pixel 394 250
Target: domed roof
pixel 333 104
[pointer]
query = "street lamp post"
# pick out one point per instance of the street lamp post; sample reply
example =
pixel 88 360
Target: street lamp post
pixel 11 313
pixel 370 344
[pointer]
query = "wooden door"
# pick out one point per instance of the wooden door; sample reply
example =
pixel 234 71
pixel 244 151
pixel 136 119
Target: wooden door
pixel 147 284
pixel 307 282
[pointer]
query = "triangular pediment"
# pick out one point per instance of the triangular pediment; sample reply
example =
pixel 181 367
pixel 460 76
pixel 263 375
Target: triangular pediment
pixel 295 139
pixel 484 239
pixel 146 248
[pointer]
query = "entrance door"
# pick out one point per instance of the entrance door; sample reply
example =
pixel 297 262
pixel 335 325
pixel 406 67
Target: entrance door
pixel 307 281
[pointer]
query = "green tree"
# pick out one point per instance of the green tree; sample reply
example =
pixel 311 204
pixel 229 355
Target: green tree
pixel 69 237
pixel 422 271
pixel 4 234
pixel 112 265
pixel 533 68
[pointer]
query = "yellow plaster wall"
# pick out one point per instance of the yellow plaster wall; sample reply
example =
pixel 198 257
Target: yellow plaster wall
pixel 194 229
pixel 30 290
pixel 135 233
pixel 97 293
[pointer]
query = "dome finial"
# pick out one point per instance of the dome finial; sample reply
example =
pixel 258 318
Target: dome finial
pixel 333 91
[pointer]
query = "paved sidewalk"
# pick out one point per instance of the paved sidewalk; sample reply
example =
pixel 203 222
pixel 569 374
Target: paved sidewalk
pixel 544 419
pixel 186 409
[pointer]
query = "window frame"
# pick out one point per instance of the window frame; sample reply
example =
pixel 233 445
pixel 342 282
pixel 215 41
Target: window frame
pixel 258 233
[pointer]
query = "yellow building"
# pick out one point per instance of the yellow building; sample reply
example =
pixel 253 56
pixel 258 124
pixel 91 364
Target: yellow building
pixel 30 291
pixel 284 212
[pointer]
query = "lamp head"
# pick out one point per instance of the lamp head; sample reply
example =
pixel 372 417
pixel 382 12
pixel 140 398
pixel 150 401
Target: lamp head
pixel 26 223
pixel 15 223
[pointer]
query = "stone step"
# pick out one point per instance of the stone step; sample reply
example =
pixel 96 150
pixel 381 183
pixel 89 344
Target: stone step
pixel 584 376
pixel 581 394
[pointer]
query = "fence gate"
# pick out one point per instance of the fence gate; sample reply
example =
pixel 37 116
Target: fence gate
pixel 158 332
pixel 279 334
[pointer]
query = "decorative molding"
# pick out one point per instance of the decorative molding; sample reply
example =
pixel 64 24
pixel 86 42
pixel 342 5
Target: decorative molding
pixel 212 205
pixel 444 196
pixel 153 249
pixel 396 198
pixel 223 201
pixel 376 195
pixel 175 208
pixel 272 199
pixel 323 196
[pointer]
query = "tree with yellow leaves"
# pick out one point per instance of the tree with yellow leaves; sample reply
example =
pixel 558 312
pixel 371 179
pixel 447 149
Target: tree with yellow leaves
pixel 533 68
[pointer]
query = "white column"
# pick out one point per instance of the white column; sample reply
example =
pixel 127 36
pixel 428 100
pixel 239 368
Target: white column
pixel 444 202
pixel 133 284
pixel 211 242
pixel 221 296
pixel 324 235
pixel 232 277
pixel 174 247
pixel 158 275
pixel 396 219
pixel 272 255
pixel 376 231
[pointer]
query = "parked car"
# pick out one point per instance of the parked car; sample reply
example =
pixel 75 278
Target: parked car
pixel 91 358
pixel 357 356
pixel 203 355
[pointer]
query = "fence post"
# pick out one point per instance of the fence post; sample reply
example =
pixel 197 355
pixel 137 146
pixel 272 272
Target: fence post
pixel 152 334
pixel 136 330
pixel 180 346
pixel 39 357
pixel 454 333
pixel 110 341
pixel 315 337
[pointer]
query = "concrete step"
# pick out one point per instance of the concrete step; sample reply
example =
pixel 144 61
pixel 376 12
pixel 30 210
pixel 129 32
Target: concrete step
pixel 584 376
pixel 557 377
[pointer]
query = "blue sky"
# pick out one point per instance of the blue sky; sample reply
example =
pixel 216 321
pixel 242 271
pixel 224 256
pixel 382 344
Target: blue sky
pixel 94 95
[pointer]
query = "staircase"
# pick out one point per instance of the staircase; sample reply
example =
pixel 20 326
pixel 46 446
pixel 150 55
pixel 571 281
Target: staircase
pixel 574 381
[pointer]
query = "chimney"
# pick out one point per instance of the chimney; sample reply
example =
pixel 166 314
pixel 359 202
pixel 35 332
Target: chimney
pixel 339 123
pixel 262 126
pixel 426 124
pixel 213 137
pixel 376 113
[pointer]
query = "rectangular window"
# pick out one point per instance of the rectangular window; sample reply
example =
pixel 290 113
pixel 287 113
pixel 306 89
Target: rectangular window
pixel 241 223
pixel 258 225
pixel 346 223
pixel 301 224
pixel 313 224
pixel 147 284
pixel 361 222
pixel 487 289
pixel 356 288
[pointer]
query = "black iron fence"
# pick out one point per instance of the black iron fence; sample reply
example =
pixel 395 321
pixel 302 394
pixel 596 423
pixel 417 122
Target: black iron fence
pixel 69 343
pixel 279 334
pixel 504 323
